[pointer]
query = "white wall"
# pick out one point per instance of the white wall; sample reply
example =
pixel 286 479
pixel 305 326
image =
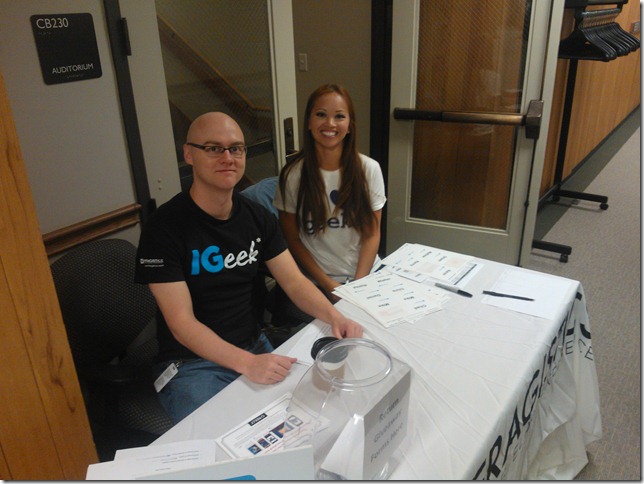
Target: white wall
pixel 151 97
pixel 336 36
pixel 72 134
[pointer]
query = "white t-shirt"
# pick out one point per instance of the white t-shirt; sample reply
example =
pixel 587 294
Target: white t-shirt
pixel 336 250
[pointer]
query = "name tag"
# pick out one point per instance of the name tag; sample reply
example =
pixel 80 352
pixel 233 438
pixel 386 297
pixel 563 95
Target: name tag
pixel 165 377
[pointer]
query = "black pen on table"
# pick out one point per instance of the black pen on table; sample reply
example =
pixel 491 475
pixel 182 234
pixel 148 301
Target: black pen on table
pixel 512 296
pixel 455 289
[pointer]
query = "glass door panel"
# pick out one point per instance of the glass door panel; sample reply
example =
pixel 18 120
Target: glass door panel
pixel 217 57
pixel 471 57
pixel 471 84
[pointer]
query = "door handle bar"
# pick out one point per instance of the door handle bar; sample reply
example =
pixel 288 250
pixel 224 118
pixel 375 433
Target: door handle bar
pixel 531 120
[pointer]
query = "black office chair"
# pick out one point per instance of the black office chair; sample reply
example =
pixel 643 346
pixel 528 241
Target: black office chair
pixel 111 327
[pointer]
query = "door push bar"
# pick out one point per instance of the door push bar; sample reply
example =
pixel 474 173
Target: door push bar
pixel 531 120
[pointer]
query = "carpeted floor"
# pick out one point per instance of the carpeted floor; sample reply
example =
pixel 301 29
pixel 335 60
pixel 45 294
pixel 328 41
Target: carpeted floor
pixel 606 259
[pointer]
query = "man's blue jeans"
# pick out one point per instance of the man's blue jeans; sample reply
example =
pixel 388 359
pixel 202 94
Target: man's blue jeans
pixel 198 380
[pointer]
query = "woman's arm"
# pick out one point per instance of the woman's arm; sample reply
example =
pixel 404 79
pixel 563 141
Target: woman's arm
pixel 301 253
pixel 369 245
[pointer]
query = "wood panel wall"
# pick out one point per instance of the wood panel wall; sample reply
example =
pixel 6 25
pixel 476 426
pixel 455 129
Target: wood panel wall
pixel 44 429
pixel 605 94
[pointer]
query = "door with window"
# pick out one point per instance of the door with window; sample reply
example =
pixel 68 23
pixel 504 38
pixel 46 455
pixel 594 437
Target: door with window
pixel 235 57
pixel 470 83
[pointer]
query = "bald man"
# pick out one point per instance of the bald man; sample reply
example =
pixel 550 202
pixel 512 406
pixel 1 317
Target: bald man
pixel 200 254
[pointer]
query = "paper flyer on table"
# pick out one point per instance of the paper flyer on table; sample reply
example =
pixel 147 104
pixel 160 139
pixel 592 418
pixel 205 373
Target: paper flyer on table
pixel 263 432
pixel 442 265
pixel 548 292
pixel 391 299
pixel 260 433
pixel 140 462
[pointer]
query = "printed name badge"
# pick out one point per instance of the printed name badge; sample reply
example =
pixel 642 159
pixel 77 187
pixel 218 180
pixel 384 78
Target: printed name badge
pixel 165 377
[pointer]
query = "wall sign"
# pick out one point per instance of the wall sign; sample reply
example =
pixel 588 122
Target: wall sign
pixel 67 47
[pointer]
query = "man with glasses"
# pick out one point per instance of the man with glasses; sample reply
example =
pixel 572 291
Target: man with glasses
pixel 200 254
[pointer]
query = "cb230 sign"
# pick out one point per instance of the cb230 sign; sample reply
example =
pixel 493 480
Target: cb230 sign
pixel 67 47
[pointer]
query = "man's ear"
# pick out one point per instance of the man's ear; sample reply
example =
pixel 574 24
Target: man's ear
pixel 187 155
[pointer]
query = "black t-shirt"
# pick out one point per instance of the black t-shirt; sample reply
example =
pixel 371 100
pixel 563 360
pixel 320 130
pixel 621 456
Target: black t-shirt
pixel 218 259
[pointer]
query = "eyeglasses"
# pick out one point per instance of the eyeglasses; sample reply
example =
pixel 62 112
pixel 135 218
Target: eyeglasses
pixel 214 151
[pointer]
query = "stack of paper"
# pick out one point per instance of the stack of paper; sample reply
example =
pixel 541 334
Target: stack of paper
pixel 419 262
pixel 194 460
pixel 391 299
pixel 154 460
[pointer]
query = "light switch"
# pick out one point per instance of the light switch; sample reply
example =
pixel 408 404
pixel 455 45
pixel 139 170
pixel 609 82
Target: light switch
pixel 302 62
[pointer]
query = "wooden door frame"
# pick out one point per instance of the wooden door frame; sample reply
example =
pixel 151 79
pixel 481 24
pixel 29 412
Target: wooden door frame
pixel 44 428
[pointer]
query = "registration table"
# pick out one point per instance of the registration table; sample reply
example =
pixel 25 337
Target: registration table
pixel 495 393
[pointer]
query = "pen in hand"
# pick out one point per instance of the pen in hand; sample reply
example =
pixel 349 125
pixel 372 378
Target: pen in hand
pixel 455 289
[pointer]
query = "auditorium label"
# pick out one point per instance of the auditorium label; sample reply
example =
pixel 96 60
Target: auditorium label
pixel 67 48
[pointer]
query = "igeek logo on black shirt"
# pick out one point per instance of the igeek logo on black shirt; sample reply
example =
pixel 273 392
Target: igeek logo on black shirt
pixel 212 261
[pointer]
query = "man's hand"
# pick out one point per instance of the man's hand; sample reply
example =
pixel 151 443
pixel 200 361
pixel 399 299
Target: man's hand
pixel 268 368
pixel 345 328
pixel 308 297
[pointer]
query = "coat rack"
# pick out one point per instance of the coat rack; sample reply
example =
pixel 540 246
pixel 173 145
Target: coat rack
pixel 596 37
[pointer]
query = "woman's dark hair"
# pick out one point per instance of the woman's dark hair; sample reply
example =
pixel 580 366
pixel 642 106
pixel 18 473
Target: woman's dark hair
pixel 353 198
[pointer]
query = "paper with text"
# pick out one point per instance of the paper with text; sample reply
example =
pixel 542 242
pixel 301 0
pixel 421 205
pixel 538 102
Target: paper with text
pixel 261 433
pixel 421 261
pixel 391 299
pixel 139 462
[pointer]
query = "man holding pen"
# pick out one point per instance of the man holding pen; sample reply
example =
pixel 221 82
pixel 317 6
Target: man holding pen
pixel 200 253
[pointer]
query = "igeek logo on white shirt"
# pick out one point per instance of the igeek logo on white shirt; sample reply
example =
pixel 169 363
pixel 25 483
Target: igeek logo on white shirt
pixel 332 223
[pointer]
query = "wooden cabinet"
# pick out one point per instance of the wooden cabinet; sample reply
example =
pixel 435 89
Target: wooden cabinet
pixel 44 430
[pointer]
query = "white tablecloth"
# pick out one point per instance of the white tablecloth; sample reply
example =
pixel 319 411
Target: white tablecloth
pixel 495 393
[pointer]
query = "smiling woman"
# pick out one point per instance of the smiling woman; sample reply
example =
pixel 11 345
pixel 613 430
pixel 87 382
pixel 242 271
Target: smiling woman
pixel 330 197
pixel 329 125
